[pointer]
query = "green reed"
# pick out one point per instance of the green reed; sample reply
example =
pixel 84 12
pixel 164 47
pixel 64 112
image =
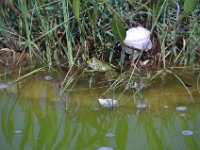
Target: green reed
pixel 61 31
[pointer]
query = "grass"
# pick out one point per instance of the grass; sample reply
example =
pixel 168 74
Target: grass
pixel 56 34
pixel 61 32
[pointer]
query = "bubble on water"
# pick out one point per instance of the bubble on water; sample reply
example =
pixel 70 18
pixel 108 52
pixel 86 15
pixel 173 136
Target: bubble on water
pixel 105 148
pixel 3 86
pixel 18 131
pixel 110 134
pixel 47 78
pixel 141 106
pixel 165 106
pixel 181 108
pixel 182 115
pixel 97 108
pixel 187 132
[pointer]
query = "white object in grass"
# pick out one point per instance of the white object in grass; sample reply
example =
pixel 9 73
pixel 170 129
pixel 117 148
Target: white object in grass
pixel 141 106
pixel 108 103
pixel 137 37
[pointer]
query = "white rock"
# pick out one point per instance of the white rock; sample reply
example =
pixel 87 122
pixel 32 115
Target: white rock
pixel 137 37
pixel 108 103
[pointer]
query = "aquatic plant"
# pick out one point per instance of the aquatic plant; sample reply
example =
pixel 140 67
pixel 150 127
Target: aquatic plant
pixel 51 36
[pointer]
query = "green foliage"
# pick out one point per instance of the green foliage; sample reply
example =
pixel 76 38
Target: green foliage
pixel 76 8
pixel 118 29
pixel 67 50
pixel 189 5
pixel 57 32
pixel 95 15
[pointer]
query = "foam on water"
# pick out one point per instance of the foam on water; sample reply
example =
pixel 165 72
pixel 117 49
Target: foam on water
pixel 3 86
pixel 47 78
pixel 18 131
pixel 182 115
pixel 165 106
pixel 187 132
pixel 105 148
pixel 141 106
pixel 110 134
pixel 181 108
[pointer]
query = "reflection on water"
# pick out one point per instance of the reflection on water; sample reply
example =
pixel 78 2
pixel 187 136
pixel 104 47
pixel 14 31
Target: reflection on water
pixel 33 117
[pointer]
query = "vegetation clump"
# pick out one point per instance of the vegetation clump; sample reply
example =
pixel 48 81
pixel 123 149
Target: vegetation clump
pixel 61 32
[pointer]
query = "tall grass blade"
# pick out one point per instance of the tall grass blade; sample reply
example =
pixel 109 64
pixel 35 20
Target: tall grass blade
pixel 118 29
pixel 198 86
pixel 76 8
pixel 68 52
pixel 27 75
pixel 94 16
pixel 25 20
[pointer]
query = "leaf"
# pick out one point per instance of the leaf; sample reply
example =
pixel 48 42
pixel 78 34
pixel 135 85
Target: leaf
pixel 50 8
pixel 94 16
pixel 189 5
pixel 118 29
pixel 76 8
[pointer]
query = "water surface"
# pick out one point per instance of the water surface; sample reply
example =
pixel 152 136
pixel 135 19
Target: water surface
pixel 35 116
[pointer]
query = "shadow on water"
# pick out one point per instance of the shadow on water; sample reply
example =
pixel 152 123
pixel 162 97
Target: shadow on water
pixel 33 118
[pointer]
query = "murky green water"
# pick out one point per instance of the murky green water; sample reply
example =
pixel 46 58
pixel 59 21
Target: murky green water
pixel 34 117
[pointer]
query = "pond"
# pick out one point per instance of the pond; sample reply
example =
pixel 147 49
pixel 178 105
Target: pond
pixel 34 116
